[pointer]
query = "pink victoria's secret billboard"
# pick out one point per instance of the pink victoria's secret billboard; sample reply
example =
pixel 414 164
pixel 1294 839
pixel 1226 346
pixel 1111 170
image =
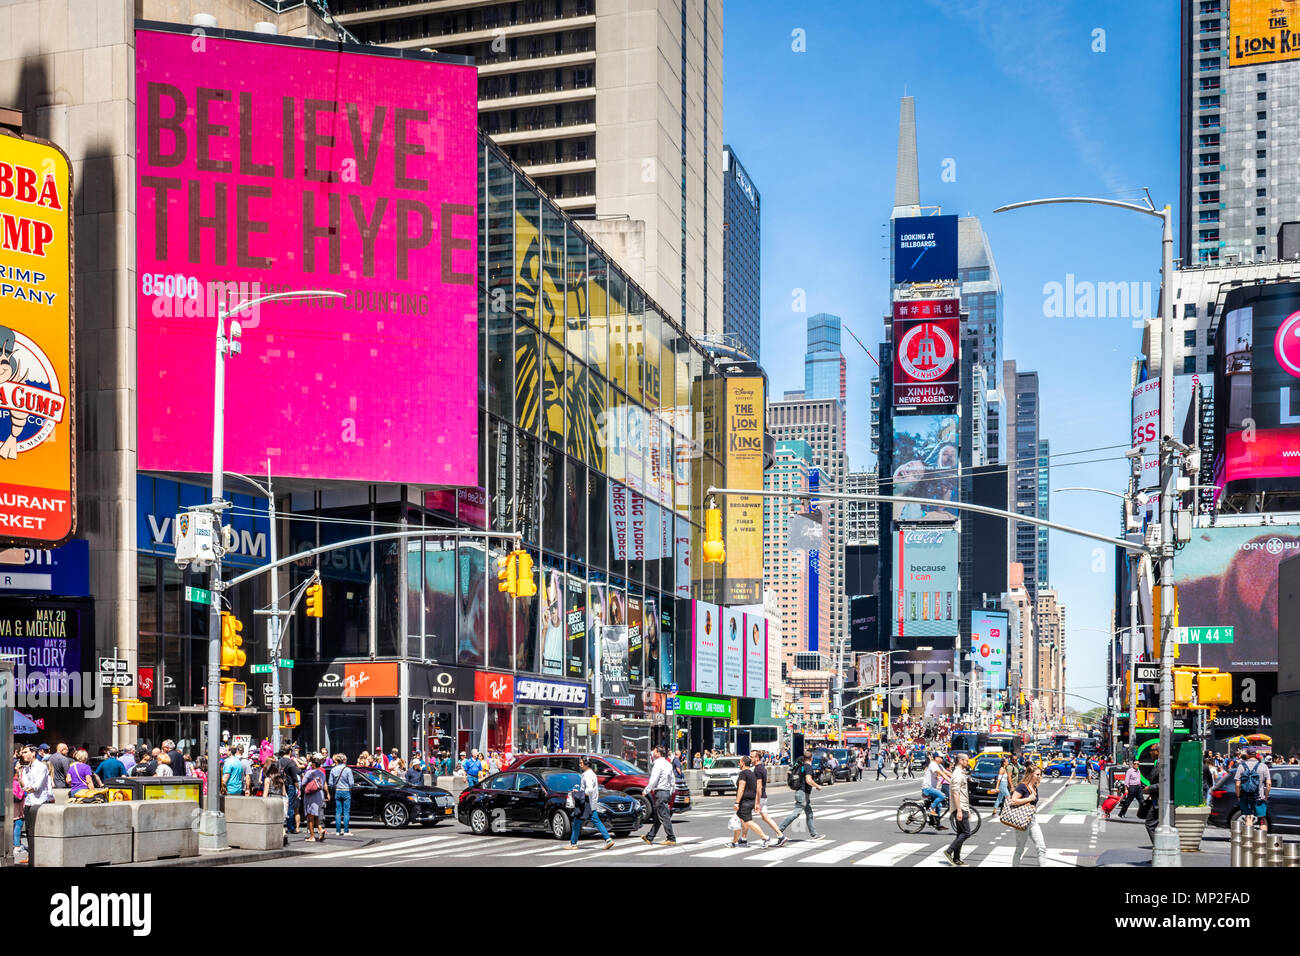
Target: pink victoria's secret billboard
pixel 269 167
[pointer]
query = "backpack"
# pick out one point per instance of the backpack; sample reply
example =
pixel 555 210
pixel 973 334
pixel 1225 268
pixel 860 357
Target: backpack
pixel 1250 782
pixel 795 779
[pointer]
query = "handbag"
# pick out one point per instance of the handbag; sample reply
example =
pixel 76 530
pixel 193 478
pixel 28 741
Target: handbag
pixel 312 785
pixel 734 823
pixel 1017 817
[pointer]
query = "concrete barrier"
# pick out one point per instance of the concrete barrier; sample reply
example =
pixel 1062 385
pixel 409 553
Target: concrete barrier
pixel 255 823
pixel 695 780
pixel 453 785
pixel 83 834
pixel 164 829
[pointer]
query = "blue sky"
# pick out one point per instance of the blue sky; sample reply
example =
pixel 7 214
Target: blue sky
pixel 1015 96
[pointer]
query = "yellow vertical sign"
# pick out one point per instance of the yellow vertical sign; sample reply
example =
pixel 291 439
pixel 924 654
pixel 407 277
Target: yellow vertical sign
pixel 1263 31
pixel 743 460
pixel 37 438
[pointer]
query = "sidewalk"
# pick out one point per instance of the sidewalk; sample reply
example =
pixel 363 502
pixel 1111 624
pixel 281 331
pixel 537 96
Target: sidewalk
pixel 296 847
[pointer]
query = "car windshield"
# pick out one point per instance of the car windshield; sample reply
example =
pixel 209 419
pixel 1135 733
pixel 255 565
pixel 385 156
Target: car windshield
pixel 987 764
pixel 381 778
pixel 623 766
pixel 841 755
pixel 563 781
pixel 726 763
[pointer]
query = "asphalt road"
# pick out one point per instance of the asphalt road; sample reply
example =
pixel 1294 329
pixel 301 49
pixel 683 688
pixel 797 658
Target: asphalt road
pixel 857 822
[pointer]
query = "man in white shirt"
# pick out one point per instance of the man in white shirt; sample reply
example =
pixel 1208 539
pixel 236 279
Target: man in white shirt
pixel 1132 788
pixel 931 782
pixel 659 791
pixel 34 778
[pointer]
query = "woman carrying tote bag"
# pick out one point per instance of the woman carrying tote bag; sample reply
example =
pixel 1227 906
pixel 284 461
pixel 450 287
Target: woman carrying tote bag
pixel 1025 824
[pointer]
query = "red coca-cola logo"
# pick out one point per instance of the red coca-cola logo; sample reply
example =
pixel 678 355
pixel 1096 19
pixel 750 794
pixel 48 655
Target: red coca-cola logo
pixel 1286 344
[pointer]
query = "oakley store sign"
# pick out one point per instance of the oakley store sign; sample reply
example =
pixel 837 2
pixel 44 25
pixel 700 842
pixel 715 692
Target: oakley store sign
pixel 529 690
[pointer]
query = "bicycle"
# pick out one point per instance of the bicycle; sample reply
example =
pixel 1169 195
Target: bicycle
pixel 913 816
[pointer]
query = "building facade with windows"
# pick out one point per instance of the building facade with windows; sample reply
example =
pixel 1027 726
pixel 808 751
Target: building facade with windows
pixel 741 259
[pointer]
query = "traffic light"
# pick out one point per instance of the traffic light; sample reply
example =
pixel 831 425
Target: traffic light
pixel 234 694
pixel 315 601
pixel 231 641
pixel 136 712
pixel 714 552
pixel 506 574
pixel 1184 682
pixel 1214 688
pixel 525 583
pixel 290 717
pixel 594 725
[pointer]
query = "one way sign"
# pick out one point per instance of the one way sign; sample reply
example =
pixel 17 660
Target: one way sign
pixel 1148 673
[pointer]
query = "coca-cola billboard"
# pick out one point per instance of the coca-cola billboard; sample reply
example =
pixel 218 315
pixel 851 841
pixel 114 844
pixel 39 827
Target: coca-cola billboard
pixel 925 591
pixel 927 347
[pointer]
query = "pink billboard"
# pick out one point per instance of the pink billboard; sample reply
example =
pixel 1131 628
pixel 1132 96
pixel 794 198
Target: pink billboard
pixel 266 167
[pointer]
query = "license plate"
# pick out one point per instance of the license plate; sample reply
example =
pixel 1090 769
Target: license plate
pixel 447 812
pixel 990 792
pixel 687 801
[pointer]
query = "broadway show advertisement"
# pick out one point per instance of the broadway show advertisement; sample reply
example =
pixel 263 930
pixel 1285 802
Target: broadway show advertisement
pixel 1257 389
pixel 269 167
pixel 706 648
pixel 743 525
pixel 37 439
pixel 1263 31
pixel 925 560
pixel 926 352
pixel 988 646
pixel 925 448
pixel 553 623
pixel 635 644
pixel 1228 576
pixel 575 628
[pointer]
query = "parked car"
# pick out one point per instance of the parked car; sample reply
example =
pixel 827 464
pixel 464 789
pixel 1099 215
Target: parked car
pixel 614 773
pixel 537 801
pixel 1283 801
pixel 848 768
pixel 1061 768
pixel 722 776
pixel 983 783
pixel 821 765
pixel 380 797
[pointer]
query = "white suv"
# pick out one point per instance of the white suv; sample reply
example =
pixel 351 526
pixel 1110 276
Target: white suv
pixel 722 776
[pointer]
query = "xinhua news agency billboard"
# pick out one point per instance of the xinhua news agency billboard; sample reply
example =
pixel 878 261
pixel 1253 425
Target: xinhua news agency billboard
pixel 277 166
pixel 927 347
pixel 37 436
pixel 925 249
pixel 988 646
pixel 1257 390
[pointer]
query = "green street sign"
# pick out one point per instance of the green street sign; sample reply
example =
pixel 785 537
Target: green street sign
pixel 702 707
pixel 1203 635
pixel 198 595
pixel 260 669
pixel 286 662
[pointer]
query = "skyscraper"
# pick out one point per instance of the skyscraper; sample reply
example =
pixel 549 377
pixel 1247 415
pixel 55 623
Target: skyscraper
pixel 1044 509
pixel 824 370
pixel 614 110
pixel 741 267
pixel 1022 467
pixel 1239 131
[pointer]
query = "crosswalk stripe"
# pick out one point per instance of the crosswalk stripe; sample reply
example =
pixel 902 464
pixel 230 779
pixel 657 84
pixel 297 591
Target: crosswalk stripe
pixel 368 850
pixel 1061 858
pixel 833 814
pixel 998 856
pixel 725 851
pixel 935 859
pixel 874 815
pixel 782 853
pixel 1044 817
pixel 890 854
pixel 1073 818
pixel 842 852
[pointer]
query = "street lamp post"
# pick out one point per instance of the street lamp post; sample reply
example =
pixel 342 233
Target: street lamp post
pixel 1165 850
pixel 212 822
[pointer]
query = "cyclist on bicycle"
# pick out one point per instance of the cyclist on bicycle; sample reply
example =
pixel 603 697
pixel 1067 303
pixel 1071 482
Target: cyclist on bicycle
pixel 932 780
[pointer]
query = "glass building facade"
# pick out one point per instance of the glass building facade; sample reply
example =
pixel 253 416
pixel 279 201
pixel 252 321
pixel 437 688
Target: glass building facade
pixel 741 266
pixel 823 364
pixel 595 414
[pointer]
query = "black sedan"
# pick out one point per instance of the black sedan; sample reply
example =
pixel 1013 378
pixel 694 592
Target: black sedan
pixel 983 783
pixel 1283 801
pixel 380 797
pixel 536 800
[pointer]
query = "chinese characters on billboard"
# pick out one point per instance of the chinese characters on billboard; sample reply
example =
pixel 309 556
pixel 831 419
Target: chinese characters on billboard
pixel 926 352
pixel 265 167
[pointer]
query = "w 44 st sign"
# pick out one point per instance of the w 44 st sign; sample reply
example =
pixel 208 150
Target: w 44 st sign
pixel 1203 635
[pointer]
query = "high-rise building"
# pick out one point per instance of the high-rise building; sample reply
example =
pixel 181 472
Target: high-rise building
pixel 741 266
pixel 1022 466
pixel 613 109
pixel 824 370
pixel 1050 691
pixel 820 423
pixel 785 571
pixel 1022 650
pixel 1239 133
pixel 862 518
pixel 1044 510
pixel 981 296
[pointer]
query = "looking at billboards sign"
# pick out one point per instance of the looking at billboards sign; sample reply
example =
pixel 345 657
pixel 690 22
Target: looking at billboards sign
pixel 925 249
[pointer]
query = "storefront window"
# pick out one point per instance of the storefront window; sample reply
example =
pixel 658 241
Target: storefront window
pixel 388 620
pixel 552 498
pixel 440 600
pixel 578 422
pixel 171 587
pixel 498 728
pixel 345 575
pixel 471 601
pixel 597 421
pixel 553 393
pixel 526 484
pixel 147 573
pixel 415 598
pixel 345 728
pixel 501 474
pixel 527 379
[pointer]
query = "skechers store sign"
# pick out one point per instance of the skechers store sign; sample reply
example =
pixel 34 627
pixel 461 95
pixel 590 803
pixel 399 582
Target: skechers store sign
pixel 530 691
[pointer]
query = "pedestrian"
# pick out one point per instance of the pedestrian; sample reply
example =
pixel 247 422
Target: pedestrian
pixel 802 799
pixel 1151 794
pixel 164 768
pixel 37 792
pixel 313 800
pixel 127 756
pixel 960 797
pixel 585 799
pixel 697 762
pixel 660 793
pixel 931 782
pixel 1004 784
pixel 1027 792
pixel 341 782
pixel 292 776
pixel 898 760
pixel 176 760
pixel 233 776
pixel 679 772
pixel 708 759
pixel 110 767
pixel 1252 783
pixel 760 778
pixel 859 765
pixel 273 785
pixel 743 808
pixel 473 768
pixel 58 765
pixel 17 794
pixel 80 775
pixel 1208 776
pixel 1132 787
pixel 880 764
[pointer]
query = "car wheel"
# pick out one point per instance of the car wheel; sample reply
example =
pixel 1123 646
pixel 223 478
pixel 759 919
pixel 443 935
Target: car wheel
pixel 1056 773
pixel 560 825
pixel 479 823
pixel 395 816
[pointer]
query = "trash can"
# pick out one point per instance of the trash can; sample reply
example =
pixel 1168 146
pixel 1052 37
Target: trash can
pixel 155 788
